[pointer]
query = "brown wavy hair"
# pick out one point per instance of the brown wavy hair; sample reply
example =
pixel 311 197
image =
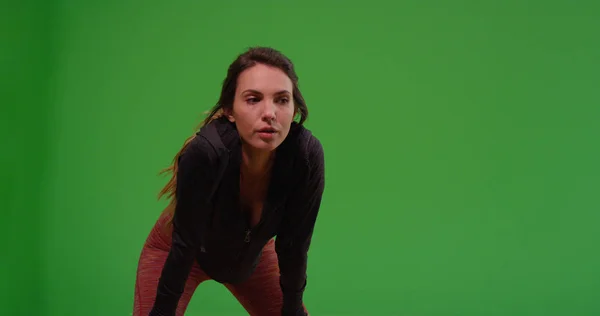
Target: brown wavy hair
pixel 254 55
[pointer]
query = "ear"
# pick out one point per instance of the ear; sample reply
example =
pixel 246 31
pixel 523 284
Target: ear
pixel 229 114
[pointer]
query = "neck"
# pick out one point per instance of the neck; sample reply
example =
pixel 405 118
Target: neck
pixel 256 163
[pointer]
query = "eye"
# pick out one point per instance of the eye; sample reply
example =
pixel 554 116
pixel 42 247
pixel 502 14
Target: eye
pixel 283 101
pixel 252 100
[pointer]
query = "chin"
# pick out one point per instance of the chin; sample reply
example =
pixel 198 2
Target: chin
pixel 265 145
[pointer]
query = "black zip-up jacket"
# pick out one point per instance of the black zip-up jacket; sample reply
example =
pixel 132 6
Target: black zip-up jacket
pixel 208 226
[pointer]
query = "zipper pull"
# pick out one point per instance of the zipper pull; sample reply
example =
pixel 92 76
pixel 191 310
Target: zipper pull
pixel 247 239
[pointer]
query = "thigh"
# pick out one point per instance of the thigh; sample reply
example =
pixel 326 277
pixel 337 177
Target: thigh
pixel 261 294
pixel 151 262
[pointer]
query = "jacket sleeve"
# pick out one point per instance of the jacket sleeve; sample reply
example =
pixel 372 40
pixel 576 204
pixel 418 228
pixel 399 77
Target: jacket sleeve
pixel 194 178
pixel 294 238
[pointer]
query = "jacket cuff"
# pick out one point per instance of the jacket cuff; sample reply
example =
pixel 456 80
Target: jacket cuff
pixel 288 310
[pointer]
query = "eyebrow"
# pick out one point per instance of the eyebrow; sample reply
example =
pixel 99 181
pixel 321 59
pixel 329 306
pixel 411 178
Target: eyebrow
pixel 258 92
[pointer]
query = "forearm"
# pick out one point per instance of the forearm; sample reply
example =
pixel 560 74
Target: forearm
pixel 193 184
pixel 296 233
pixel 292 266
pixel 173 278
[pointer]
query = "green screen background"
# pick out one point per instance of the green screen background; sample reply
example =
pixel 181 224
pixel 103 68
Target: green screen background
pixel 461 140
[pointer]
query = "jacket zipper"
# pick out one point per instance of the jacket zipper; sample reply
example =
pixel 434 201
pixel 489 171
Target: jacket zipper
pixel 248 238
pixel 248 235
pixel 249 231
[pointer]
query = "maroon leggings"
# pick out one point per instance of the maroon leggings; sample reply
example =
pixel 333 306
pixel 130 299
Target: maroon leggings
pixel 260 295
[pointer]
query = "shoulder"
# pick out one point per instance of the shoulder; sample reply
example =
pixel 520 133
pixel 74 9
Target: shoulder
pixel 198 153
pixel 307 148
pixel 212 141
pixel 309 164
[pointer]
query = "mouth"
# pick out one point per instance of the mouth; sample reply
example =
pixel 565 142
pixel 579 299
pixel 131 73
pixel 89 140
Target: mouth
pixel 266 133
pixel 267 130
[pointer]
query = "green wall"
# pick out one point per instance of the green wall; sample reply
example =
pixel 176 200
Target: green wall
pixel 25 102
pixel 461 142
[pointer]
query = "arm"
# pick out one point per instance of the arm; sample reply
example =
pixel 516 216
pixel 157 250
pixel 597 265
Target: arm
pixel 194 176
pixel 294 238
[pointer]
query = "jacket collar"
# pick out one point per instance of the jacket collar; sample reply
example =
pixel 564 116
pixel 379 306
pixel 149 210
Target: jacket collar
pixel 285 159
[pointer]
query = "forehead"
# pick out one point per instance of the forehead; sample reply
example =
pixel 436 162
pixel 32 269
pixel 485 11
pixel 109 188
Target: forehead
pixel 265 79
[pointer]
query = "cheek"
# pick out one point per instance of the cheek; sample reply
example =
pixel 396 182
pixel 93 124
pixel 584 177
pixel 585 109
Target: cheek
pixel 287 115
pixel 244 126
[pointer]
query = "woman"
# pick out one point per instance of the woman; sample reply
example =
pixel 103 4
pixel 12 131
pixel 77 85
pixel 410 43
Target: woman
pixel 251 173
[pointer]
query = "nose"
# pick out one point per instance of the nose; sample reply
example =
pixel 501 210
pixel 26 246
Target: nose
pixel 268 113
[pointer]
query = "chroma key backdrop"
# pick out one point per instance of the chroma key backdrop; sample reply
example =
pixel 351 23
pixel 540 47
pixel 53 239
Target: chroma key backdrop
pixel 462 146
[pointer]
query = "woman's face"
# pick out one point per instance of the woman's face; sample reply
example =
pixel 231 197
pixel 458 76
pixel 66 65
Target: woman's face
pixel 263 107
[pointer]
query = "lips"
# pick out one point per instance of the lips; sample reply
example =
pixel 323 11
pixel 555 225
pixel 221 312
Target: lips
pixel 266 133
pixel 268 130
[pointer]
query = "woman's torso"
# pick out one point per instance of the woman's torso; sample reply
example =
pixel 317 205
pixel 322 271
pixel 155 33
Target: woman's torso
pixel 233 238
